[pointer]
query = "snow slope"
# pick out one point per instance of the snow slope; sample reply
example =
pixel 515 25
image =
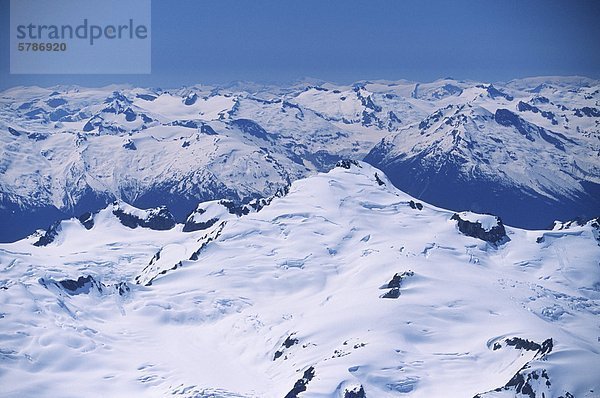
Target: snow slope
pixel 344 287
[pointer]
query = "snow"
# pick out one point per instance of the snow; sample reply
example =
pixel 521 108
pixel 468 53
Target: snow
pixel 208 211
pixel 311 264
pixel 171 107
pixel 128 209
pixel 487 221
pixel 344 104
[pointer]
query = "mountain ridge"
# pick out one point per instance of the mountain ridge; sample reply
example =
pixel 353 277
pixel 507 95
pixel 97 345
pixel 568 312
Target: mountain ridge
pixel 344 285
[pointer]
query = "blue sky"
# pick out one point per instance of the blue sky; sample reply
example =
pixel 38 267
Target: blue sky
pixel 218 41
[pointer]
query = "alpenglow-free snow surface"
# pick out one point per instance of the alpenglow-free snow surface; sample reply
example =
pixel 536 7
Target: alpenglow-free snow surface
pixel 344 287
pixel 526 150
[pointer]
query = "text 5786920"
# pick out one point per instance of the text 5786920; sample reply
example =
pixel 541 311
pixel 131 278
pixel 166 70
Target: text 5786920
pixel 29 46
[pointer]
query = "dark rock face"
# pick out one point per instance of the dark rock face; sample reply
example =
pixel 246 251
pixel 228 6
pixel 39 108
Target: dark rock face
pixel 89 126
pixel 496 235
pixel 525 107
pixel 522 384
pixel 232 208
pixel 87 220
pixel 37 136
pixel 153 261
pixel 507 118
pixel 85 285
pixel 55 102
pixel 525 381
pixel 355 393
pixel 529 345
pixel 163 272
pixel 321 159
pixel 397 279
pixel 130 145
pixel 25 105
pixel 452 89
pixel 37 113
pixel 347 164
pixel 104 126
pixel 289 341
pixel 206 129
pixel 190 124
pixel 393 121
pixel 130 115
pixel 493 92
pixel 181 205
pixel 161 220
pixel 117 97
pixel 81 285
pixel 60 115
pixel 595 224
pixel 300 385
pixel 191 226
pixel 367 101
pixel 191 99
pixel 395 284
pixel 49 236
pixel 151 269
pixel 206 240
pixel 155 258
pixel 432 119
pixel 251 127
pixel 415 205
pixel 379 181
pixel 13 132
pixel 146 97
pixel 392 293
pixel 145 118
pixel 371 119
pixel 122 288
pixel 587 111
pixel 26 219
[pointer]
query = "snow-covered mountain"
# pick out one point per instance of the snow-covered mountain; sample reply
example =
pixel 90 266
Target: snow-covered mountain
pixel 71 150
pixel 527 149
pixel 343 287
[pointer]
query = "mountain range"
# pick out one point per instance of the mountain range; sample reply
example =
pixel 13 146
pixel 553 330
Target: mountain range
pixel 527 150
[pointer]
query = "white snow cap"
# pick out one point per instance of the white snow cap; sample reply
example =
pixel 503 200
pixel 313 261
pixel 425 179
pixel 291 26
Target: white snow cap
pixel 487 221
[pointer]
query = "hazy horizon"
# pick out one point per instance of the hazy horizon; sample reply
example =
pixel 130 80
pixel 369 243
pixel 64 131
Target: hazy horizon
pixel 218 42
pixel 287 83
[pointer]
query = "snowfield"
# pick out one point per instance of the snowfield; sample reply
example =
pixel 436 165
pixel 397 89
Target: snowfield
pixel 344 287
